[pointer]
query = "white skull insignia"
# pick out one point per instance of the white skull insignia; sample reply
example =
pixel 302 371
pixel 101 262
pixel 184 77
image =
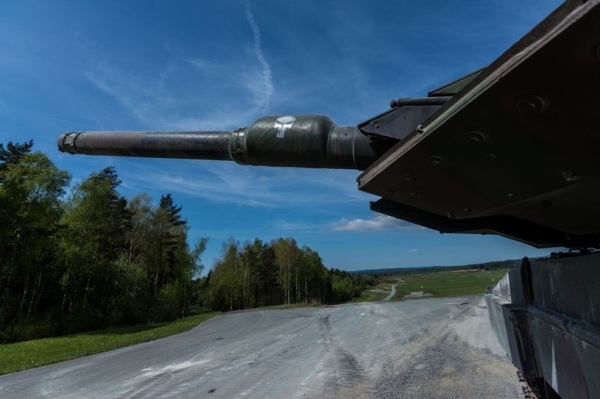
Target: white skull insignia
pixel 282 124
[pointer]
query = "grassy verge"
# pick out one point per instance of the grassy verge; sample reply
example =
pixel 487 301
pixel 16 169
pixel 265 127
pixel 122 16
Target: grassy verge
pixel 449 283
pixel 25 355
pixel 291 306
pixel 368 296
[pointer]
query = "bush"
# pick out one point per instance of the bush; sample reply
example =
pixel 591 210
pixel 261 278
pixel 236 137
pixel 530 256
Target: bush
pixel 26 331
pixel 166 306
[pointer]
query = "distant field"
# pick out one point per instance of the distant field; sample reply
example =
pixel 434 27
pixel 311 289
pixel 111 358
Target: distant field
pixel 449 283
pixel 385 283
pixel 368 296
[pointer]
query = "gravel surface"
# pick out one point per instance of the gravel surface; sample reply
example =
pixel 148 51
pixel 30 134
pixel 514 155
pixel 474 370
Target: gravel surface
pixel 426 348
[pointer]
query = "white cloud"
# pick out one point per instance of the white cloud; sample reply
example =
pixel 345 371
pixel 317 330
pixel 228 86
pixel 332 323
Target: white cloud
pixel 74 123
pixel 266 87
pixel 186 92
pixel 151 99
pixel 227 182
pixel 414 250
pixel 376 223
pixel 286 225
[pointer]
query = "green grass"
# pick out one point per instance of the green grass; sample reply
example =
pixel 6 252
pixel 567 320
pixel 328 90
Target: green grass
pixel 291 306
pixel 25 355
pixel 385 283
pixel 368 296
pixel 449 283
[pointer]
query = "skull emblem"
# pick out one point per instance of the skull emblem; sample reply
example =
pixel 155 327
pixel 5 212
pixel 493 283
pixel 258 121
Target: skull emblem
pixel 282 124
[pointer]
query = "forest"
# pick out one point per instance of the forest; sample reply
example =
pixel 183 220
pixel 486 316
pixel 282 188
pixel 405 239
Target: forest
pixel 82 257
pixel 278 272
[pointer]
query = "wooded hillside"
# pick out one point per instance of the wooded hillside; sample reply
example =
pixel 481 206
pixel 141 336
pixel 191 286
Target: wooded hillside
pixel 91 258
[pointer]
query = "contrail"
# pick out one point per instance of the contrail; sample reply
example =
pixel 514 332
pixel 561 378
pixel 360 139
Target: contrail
pixel 266 68
pixel 73 123
pixel 87 109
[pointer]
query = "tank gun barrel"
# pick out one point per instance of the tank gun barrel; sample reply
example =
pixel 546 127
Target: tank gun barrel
pixel 311 141
pixel 211 145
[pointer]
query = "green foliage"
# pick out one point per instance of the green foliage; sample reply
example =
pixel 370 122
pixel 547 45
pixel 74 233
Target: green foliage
pixel 88 261
pixel 96 259
pixel 165 305
pixel 277 273
pixel 12 154
pixel 30 190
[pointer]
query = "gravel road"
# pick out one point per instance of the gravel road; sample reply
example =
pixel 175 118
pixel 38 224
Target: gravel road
pixel 426 348
pixel 391 294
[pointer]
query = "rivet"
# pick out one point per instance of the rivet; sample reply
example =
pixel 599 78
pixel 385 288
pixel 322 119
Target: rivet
pixel 546 203
pixel 468 210
pixel 377 124
pixel 437 161
pixel 408 178
pixel 491 156
pixel 415 195
pixel 529 103
pixel 420 129
pixel 388 191
pixel 475 137
pixel 450 215
pixel 512 196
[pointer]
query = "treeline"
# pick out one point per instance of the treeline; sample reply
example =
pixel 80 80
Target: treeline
pixel 89 260
pixel 279 272
pixel 493 265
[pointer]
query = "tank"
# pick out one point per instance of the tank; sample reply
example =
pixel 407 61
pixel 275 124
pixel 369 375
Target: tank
pixel 510 150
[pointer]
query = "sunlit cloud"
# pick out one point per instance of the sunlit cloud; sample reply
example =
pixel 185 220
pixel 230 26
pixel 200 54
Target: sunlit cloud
pixel 376 223
pixel 414 250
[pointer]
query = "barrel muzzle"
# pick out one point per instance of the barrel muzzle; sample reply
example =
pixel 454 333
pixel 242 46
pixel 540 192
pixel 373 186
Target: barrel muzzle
pixel 66 142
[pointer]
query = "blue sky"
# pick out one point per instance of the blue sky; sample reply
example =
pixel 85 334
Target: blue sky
pixel 217 65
